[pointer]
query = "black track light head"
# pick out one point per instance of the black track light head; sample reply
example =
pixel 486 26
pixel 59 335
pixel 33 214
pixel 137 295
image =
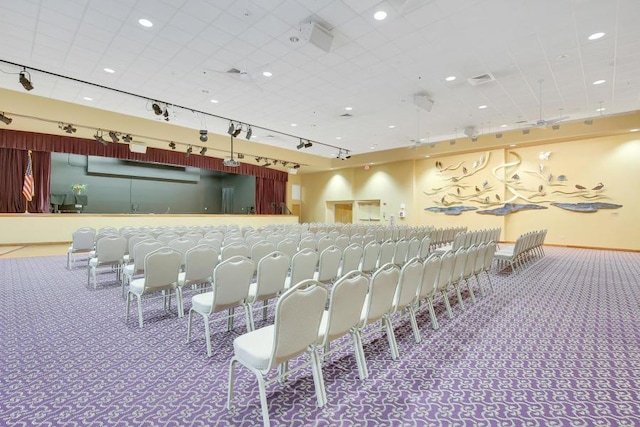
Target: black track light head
pixel 300 146
pixel 157 109
pixel 308 144
pixel 249 133
pixel 204 135
pixel 189 151
pixel 240 156
pixel 296 166
pixel 25 80
pixel 114 136
pixel 237 131
pixel 172 145
pixel 4 119
pixel 98 137
pixel 127 138
pixel 231 129
pixel 203 151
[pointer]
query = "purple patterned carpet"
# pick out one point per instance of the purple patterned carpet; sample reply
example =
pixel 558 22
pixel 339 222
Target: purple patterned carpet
pixel 558 345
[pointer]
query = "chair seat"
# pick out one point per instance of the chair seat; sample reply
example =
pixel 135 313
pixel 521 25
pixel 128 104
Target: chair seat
pixel 137 286
pixel 254 348
pixel 202 302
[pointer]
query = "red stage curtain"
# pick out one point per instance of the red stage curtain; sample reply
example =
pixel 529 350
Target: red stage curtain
pixel 13 164
pixel 269 195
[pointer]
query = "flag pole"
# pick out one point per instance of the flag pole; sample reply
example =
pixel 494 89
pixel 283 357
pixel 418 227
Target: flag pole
pixel 27 188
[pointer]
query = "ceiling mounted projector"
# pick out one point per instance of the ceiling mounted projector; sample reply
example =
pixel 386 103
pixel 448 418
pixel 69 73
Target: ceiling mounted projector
pixel 231 163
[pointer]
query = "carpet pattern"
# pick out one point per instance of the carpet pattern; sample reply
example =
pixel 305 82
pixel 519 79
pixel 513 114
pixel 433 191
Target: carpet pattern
pixel 557 345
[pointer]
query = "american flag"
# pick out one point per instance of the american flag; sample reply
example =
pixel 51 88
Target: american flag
pixel 28 189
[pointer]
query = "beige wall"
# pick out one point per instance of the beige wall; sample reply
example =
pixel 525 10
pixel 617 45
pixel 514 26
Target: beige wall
pixel 611 160
pixel 56 228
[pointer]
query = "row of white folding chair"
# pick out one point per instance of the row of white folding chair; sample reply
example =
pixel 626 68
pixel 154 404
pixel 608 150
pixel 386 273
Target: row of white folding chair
pixel 82 242
pixel 527 247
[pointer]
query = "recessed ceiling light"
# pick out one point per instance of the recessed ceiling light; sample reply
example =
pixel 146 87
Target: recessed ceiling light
pixel 503 126
pixel 214 101
pixel 600 109
pixel 392 126
pixel 380 15
pixel 338 137
pixel 373 147
pixel 145 22
pixel 267 73
pixel 482 107
pixel 87 98
pixel 109 70
pixel 599 82
pixel 512 145
pixel 450 78
pixel 427 156
pixel 562 57
pixel 348 108
pixel 635 130
pixel 596 36
pixel 294 124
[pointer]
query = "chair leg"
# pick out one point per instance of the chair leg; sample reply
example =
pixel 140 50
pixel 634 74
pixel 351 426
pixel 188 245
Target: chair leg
pixel 489 278
pixel 230 320
pixel 189 326
pixel 432 314
pixel 391 337
pixel 232 365
pixel 179 301
pixel 318 381
pixel 482 292
pixel 447 304
pixel 248 312
pixel 459 294
pixel 470 287
pixel 68 260
pixel 95 277
pixel 126 310
pixel 139 309
pixel 207 334
pixel 363 372
pixel 263 399
pixel 414 323
pixel 264 309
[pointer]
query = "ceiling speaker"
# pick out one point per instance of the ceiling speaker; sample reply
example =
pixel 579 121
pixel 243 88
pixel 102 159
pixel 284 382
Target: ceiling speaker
pixel 423 101
pixel 319 36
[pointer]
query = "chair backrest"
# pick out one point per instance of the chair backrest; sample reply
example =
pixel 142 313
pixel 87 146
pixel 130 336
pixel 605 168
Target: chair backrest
pixel 182 245
pixel 343 240
pixel 82 240
pixel 193 235
pixel 140 252
pixel 488 256
pixel 414 248
pixel 345 305
pixel 400 252
pixel 252 239
pixel 111 249
pixel 166 237
pixel 408 284
pixel 303 265
pixel 214 235
pixel 272 273
pixel 235 249
pixel 288 246
pixel 351 257
pixel 210 241
pixel 199 263
pixel 260 250
pixel 329 263
pixel 308 243
pixel 446 269
pixel 161 269
pixel 368 238
pixel 459 263
pixel 231 281
pixel 478 266
pixel 297 319
pixel 275 238
pixel 382 288
pixel 470 264
pixel 370 257
pixel 387 250
pixel 425 247
pixel 430 271
pixel 324 243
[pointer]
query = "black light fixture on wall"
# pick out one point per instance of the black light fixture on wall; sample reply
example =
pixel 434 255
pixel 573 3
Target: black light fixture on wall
pixel 204 135
pixel 4 119
pixel 25 80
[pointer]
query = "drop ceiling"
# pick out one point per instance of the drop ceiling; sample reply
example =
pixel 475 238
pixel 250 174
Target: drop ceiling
pixel 538 53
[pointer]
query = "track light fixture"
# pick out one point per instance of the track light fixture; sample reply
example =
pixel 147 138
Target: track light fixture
pixel 498 135
pixel 4 119
pixel 157 109
pixel 308 144
pixel 68 128
pixel 99 137
pixel 114 136
pixel 240 156
pixel 166 114
pixel 258 159
pixel 25 80
pixel 204 135
pixel 237 131
pixel 231 129
pixel 203 151
pixel 284 163
pixel 343 154
pixel 474 139
pixel 300 146
pixel 249 132
pixel 525 131
pixel 266 165
pixel 588 122
pixel 296 166
pixel 127 138
pixel 172 145
pixel 189 151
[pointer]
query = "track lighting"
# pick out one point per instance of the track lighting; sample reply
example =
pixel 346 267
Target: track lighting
pixel 68 128
pixel 172 145
pixel 296 166
pixel 203 151
pixel 284 163
pixel 204 135
pixel 307 144
pixel 231 129
pixel 98 136
pixel 166 115
pixel 588 122
pixel 127 138
pixel 555 127
pixel 258 159
pixel 25 81
pixel 474 139
pixel 240 156
pixel 343 154
pixel 498 135
pixel 301 145
pixel 237 131
pixel 189 151
pixel 525 131
pixel 267 164
pixel 4 119
pixel 157 109
pixel 114 136
pixel 249 133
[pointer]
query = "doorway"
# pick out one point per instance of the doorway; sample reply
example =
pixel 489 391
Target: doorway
pixel 343 213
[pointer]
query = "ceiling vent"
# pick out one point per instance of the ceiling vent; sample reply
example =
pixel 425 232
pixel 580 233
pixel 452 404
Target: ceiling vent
pixel 233 71
pixel 318 36
pixel 347 115
pixel 481 79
